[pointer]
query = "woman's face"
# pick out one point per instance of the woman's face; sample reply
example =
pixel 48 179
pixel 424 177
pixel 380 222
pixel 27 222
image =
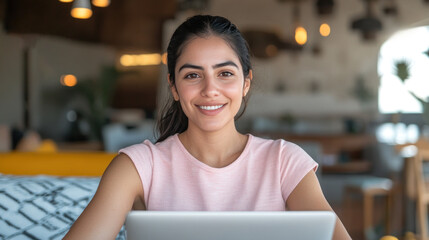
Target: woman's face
pixel 209 83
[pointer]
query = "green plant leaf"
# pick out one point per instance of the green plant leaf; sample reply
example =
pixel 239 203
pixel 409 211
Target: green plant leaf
pixel 402 69
pixel 98 93
pixel 426 112
pixel 427 52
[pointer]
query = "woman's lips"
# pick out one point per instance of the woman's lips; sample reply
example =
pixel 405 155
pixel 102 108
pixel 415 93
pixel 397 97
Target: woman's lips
pixel 211 107
pixel 211 110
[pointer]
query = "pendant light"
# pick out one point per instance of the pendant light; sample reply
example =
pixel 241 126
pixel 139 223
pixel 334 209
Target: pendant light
pixel 325 7
pixel 369 24
pixel 300 31
pixel 300 35
pixel 101 3
pixel 325 29
pixel 81 9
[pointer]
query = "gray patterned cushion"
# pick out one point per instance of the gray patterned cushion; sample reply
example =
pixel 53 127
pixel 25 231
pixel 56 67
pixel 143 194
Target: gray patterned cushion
pixel 43 207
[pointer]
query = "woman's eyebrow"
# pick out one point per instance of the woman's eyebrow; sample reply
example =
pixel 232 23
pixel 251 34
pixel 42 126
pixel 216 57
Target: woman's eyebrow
pixel 187 65
pixel 227 63
pixel 223 64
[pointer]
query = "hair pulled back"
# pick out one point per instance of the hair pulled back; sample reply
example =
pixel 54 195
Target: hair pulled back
pixel 173 120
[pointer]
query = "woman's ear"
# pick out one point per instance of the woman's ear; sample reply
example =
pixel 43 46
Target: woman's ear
pixel 247 82
pixel 173 89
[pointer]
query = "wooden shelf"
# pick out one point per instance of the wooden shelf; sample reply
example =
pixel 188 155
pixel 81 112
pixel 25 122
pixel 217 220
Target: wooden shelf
pixel 331 144
pixel 349 167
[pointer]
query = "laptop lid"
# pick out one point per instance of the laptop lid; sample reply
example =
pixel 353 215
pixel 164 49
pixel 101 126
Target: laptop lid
pixel 165 225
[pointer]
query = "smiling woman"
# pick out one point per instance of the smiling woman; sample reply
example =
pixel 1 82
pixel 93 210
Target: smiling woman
pixel 200 161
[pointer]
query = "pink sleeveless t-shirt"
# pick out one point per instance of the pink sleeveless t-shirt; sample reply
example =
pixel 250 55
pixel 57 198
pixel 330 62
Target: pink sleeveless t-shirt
pixel 260 179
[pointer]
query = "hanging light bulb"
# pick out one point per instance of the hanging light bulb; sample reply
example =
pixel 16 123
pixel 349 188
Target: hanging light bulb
pixel 68 80
pixel 81 9
pixel 101 3
pixel 66 1
pixel 300 32
pixel 325 29
pixel 300 35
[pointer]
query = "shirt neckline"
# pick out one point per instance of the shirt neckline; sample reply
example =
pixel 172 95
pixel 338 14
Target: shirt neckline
pixel 202 165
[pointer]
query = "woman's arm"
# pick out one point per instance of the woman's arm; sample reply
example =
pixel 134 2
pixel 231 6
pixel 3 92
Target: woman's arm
pixel 308 196
pixel 104 216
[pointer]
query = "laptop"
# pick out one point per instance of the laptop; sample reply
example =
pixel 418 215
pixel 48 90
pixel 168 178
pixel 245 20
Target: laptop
pixel 276 225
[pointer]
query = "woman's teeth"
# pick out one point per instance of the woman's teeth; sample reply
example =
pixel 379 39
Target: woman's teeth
pixel 211 107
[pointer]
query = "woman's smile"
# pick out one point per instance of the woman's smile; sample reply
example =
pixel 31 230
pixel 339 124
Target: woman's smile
pixel 211 110
pixel 215 107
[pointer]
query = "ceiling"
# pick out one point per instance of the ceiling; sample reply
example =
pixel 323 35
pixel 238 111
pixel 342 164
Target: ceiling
pixel 124 24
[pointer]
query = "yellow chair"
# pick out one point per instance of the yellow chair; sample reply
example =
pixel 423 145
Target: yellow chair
pixel 388 237
pixel 51 163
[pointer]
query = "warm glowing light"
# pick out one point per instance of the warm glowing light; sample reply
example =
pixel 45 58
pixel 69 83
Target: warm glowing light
pixel 149 59
pixel 81 13
pixel 81 9
pixel 68 80
pixel 325 29
pixel 66 1
pixel 300 35
pixel 101 3
pixel 164 58
pixel 128 60
pixel 271 50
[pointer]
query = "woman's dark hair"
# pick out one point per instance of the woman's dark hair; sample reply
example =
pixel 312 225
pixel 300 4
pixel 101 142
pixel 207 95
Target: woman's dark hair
pixel 173 120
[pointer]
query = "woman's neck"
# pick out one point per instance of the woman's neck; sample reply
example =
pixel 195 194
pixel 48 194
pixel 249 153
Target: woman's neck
pixel 216 149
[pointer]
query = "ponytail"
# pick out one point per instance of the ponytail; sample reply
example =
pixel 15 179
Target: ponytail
pixel 173 120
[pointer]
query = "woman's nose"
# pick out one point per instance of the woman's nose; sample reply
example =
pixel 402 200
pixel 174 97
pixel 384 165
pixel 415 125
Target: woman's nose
pixel 210 87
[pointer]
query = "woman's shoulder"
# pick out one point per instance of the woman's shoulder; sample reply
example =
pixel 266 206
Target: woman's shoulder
pixel 149 147
pixel 269 142
pixel 280 146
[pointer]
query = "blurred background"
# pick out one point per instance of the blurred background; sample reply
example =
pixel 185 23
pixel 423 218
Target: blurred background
pixel 345 79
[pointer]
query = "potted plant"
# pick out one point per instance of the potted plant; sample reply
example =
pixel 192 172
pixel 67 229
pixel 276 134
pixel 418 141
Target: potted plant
pixel 98 94
pixel 402 71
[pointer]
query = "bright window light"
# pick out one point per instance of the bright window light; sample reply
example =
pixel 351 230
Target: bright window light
pixel 409 45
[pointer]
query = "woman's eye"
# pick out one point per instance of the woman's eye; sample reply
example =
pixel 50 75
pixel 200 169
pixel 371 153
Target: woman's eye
pixel 191 75
pixel 226 74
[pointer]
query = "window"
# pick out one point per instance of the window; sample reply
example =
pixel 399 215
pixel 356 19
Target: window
pixel 410 45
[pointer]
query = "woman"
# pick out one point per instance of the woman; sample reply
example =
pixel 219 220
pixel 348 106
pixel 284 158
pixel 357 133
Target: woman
pixel 200 161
